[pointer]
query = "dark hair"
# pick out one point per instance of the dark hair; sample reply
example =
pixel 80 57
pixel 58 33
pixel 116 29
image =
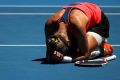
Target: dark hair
pixel 58 43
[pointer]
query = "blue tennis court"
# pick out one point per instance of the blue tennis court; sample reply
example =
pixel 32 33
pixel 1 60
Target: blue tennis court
pixel 22 40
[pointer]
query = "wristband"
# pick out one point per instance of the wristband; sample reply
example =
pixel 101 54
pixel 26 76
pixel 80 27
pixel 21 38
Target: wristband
pixel 67 59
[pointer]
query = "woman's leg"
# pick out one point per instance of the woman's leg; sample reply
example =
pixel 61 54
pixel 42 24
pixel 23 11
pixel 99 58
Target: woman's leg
pixel 85 42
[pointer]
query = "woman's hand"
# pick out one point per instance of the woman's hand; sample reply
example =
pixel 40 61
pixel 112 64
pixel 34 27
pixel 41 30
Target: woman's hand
pixel 57 56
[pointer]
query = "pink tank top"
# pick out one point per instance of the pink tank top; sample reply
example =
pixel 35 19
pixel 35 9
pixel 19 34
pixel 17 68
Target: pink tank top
pixel 92 11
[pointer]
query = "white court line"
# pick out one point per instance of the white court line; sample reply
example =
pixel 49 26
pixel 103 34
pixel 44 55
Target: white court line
pixel 42 45
pixel 45 13
pixel 17 45
pixel 27 6
pixel 112 14
pixel 30 6
pixel 26 13
pixel 109 6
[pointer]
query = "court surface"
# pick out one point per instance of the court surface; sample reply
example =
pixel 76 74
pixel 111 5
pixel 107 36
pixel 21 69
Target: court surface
pixel 22 40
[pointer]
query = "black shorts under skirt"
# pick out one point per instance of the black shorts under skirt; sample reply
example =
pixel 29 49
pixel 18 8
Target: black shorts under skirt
pixel 103 27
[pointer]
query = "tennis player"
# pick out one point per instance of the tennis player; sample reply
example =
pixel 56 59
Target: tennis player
pixel 76 31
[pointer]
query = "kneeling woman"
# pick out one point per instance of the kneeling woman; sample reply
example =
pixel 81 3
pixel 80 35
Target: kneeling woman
pixel 76 31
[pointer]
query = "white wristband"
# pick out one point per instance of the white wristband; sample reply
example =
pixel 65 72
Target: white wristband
pixel 67 59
